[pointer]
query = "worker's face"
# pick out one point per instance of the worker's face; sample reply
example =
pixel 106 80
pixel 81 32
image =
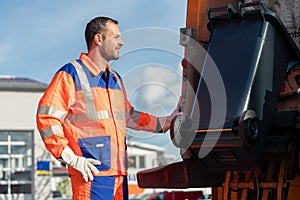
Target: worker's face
pixel 112 42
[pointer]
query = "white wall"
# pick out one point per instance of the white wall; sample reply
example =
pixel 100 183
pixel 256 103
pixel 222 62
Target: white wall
pixel 17 112
pixel 18 109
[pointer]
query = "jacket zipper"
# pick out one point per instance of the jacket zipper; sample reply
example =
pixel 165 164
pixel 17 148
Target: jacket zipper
pixel 112 113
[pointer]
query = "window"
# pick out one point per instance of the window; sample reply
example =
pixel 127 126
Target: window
pixel 136 162
pixel 142 161
pixel 131 162
pixel 131 177
pixel 16 162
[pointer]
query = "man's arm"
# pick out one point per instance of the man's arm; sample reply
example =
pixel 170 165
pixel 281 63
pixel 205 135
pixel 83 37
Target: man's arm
pixel 52 110
pixel 146 122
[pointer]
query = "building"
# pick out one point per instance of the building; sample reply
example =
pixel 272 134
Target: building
pixel 143 156
pixel 21 149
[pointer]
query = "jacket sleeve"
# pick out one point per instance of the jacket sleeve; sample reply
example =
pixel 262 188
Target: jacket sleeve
pixel 141 121
pixel 52 110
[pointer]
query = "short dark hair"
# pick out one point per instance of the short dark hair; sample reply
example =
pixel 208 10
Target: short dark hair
pixel 96 26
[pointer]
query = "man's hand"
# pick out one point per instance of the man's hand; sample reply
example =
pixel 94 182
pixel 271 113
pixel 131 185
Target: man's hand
pixel 86 166
pixel 165 122
pixel 175 113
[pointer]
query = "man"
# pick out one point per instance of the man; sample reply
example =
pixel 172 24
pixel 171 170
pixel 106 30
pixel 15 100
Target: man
pixel 83 115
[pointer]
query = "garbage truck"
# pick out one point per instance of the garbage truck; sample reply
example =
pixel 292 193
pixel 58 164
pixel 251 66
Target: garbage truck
pixel 239 132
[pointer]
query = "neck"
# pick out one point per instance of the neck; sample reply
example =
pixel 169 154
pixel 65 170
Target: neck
pixel 99 61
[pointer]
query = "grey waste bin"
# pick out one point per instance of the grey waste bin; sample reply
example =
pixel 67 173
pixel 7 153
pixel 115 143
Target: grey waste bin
pixel 252 52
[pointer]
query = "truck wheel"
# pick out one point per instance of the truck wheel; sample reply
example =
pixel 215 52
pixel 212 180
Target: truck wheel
pixel 180 131
pixel 249 127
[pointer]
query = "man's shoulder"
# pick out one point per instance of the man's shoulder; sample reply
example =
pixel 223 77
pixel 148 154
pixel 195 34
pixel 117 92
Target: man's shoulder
pixel 68 68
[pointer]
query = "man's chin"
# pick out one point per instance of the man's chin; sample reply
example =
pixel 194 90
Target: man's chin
pixel 114 57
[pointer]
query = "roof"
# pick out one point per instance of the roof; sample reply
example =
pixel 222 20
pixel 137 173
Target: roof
pixel 12 83
pixel 145 146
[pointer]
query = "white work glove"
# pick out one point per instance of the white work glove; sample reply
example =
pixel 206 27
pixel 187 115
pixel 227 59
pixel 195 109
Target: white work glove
pixel 86 166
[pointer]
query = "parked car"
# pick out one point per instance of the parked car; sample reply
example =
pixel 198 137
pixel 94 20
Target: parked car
pixel 177 195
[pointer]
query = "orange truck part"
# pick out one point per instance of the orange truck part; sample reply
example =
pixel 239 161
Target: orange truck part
pixel 197 18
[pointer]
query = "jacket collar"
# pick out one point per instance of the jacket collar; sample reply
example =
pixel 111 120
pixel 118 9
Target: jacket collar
pixel 91 65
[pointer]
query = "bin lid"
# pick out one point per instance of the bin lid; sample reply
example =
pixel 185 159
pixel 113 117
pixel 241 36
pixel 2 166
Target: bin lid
pixel 254 8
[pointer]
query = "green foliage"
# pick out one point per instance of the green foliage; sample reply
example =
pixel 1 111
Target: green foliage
pixel 64 186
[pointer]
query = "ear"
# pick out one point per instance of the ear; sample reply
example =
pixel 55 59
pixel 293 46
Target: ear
pixel 98 39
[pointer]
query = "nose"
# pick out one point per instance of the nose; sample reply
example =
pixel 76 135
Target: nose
pixel 121 42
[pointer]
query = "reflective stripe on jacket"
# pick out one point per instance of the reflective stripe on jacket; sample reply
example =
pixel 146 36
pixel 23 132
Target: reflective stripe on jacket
pixel 90 113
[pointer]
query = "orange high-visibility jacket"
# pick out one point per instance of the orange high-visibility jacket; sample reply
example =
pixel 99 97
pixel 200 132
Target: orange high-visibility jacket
pixel 89 111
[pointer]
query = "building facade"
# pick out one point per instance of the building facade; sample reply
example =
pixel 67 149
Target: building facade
pixel 24 162
pixel 143 156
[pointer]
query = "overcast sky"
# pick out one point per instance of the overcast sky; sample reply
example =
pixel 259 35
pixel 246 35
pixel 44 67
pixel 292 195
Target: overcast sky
pixel 37 37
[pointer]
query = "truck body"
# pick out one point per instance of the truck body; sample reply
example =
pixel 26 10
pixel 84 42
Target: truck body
pixel 240 130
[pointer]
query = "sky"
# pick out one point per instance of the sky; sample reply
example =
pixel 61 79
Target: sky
pixel 37 37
